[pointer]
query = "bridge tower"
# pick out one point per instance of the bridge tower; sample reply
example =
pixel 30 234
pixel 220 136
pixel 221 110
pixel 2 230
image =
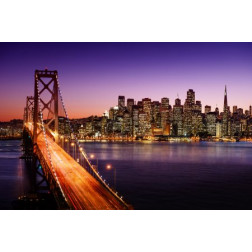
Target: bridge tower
pixel 48 80
pixel 29 109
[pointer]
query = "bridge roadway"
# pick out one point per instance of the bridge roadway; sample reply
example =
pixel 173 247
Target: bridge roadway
pixel 81 189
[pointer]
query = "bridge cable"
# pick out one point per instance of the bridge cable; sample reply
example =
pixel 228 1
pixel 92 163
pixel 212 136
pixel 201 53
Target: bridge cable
pixel 84 154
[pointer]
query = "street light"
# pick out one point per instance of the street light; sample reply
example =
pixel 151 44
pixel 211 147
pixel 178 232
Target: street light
pixel 92 156
pixel 109 167
pixel 80 154
pixel 73 145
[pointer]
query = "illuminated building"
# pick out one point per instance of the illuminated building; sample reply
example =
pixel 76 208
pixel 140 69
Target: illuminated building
pixel 104 125
pixel 188 106
pixel 218 129
pixel 197 123
pixel 135 120
pixel 130 103
pixel 143 124
pixel 211 123
pixel 207 109
pixel 225 119
pixel 164 112
pixel 127 124
pixel 165 103
pixel 177 118
pixel 121 103
pixel 156 117
pixel 240 112
pixel 197 107
pixel 147 111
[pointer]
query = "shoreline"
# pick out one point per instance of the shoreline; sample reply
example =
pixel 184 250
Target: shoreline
pixel 10 138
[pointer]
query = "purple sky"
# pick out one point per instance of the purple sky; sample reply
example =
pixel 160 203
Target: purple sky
pixel 92 75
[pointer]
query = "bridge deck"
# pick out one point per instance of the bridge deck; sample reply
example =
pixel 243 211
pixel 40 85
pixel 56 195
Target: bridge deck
pixel 81 189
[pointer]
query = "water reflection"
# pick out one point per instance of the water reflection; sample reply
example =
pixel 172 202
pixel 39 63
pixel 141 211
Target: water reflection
pixel 18 181
pixel 179 175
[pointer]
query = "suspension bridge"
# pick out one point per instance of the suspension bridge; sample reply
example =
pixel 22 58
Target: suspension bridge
pixel 48 134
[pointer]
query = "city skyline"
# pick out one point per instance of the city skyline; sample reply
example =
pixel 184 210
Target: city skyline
pixel 92 75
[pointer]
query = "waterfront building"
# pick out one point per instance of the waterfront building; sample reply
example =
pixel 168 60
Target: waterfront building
pixel 211 123
pixel 188 107
pixel 197 123
pixel 177 118
pixel 226 117
pixel 218 129
pixel 135 120
pixel 143 124
pixel 127 124
pixel 156 117
pixel 147 108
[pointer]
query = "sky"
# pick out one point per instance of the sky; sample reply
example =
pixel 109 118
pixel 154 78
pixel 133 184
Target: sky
pixel 93 75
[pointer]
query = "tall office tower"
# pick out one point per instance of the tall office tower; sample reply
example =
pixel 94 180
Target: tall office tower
pixel 191 96
pixel 164 112
pixel 127 124
pixel 234 109
pixel 140 106
pixel 218 128
pixel 225 119
pixel 177 118
pixel 143 124
pixel 240 112
pixel 155 108
pixel 197 123
pixel 207 109
pixel 188 107
pixel 130 103
pixel 147 108
pixel 104 125
pixel 165 103
pixel 121 102
pixel 135 123
pixel 111 113
pixel 211 123
pixel 197 107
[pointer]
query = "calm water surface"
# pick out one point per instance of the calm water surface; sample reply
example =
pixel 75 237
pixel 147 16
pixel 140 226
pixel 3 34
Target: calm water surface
pixel 17 179
pixel 165 175
pixel 154 175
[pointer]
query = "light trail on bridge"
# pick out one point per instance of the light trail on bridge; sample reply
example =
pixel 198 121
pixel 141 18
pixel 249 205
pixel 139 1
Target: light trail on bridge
pixel 80 186
pixel 81 189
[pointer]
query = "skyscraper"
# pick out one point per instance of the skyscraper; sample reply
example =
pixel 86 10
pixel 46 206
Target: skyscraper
pixel 207 109
pixel 130 103
pixel 121 102
pixel 177 118
pixel 188 107
pixel 225 119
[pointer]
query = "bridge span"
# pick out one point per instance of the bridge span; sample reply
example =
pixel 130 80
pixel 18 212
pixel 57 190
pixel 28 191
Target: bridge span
pixel 78 187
